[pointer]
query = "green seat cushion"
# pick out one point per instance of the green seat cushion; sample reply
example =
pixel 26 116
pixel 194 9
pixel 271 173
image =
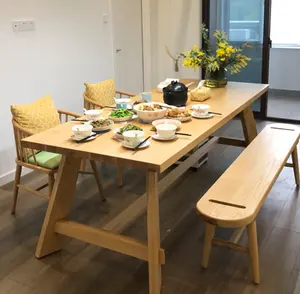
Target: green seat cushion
pixel 46 159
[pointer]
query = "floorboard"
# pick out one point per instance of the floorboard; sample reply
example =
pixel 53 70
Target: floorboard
pixel 81 268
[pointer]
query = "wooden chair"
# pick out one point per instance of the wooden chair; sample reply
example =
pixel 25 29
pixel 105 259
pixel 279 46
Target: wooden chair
pixel 22 161
pixel 90 104
pixel 237 197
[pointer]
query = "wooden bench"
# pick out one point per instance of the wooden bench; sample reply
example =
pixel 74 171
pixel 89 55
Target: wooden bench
pixel 236 198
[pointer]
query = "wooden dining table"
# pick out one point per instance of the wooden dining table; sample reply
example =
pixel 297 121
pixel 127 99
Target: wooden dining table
pixel 235 99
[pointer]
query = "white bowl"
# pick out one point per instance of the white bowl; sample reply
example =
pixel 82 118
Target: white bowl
pixel 93 114
pixel 167 121
pixel 166 131
pixel 81 131
pixel 149 116
pixel 133 138
pixel 201 109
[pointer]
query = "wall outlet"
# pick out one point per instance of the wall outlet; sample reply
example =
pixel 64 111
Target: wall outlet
pixel 23 25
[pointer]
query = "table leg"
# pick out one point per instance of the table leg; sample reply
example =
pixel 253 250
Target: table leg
pixel 59 206
pixel 249 124
pixel 153 233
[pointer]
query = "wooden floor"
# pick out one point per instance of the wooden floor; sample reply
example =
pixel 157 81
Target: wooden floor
pixel 81 268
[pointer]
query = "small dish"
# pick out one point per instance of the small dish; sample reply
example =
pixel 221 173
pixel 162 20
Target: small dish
pixel 145 145
pixel 158 138
pixel 208 115
pixel 104 128
pixel 121 119
pixel 93 114
pixel 167 121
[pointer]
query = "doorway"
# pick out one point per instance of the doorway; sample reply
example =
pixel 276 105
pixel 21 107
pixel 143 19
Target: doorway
pixel 284 93
pixel 244 21
pixel 127 27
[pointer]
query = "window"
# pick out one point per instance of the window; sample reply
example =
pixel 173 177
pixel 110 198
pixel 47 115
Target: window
pixel 285 23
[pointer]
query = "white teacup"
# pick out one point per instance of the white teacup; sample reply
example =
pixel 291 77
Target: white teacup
pixel 93 114
pixel 166 131
pixel 201 109
pixel 81 131
pixel 133 138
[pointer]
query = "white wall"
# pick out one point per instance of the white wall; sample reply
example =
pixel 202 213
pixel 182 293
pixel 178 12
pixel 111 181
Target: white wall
pixel 69 46
pixel 175 23
pixel 284 69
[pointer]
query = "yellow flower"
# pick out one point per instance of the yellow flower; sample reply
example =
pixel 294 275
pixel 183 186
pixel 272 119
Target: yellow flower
pixel 196 48
pixel 223 59
pixel 220 52
pixel 222 45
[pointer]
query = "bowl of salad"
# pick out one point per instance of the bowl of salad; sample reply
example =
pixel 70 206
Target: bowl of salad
pixel 130 127
pixel 120 115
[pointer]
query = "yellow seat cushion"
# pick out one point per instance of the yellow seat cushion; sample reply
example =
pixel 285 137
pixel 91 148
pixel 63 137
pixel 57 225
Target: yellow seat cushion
pixel 37 116
pixel 102 93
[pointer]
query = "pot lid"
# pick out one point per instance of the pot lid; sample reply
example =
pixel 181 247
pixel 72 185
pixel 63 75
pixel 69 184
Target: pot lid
pixel 175 87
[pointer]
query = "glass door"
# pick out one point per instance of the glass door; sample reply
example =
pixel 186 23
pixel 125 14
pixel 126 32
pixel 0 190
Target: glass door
pixel 244 21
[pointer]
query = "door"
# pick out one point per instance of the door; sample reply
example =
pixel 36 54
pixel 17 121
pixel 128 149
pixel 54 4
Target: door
pixel 128 45
pixel 245 21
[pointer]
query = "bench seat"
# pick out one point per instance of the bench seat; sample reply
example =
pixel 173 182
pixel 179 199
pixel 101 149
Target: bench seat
pixel 236 198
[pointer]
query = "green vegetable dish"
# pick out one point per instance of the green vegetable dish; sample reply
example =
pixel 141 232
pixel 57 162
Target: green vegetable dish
pixel 120 113
pixel 129 128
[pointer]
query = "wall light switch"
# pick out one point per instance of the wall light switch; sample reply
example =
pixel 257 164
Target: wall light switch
pixel 105 18
pixel 23 25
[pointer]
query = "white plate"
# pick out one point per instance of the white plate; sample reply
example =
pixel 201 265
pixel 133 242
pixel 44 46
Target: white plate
pixel 181 119
pixel 156 137
pixel 209 115
pixel 117 135
pixel 146 144
pixel 90 139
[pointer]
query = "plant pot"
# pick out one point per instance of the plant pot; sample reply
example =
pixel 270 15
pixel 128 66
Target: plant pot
pixel 215 79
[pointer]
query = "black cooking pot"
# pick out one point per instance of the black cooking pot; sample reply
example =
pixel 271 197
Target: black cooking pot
pixel 176 94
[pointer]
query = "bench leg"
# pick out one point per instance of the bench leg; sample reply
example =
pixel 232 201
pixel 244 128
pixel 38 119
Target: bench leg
pixel 209 235
pixel 253 250
pixel 296 166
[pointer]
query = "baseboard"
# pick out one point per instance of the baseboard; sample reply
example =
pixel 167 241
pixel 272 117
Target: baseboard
pixel 284 93
pixel 10 176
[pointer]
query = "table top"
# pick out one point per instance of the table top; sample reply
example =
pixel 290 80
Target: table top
pixel 229 101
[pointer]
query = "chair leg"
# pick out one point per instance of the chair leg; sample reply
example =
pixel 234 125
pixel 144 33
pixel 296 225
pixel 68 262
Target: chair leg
pixel 51 181
pixel 120 176
pixel 98 179
pixel 296 166
pixel 16 188
pixel 83 165
pixel 253 250
pixel 209 235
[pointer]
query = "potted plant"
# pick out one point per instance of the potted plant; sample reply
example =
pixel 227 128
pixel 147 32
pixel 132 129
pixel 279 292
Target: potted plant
pixel 225 57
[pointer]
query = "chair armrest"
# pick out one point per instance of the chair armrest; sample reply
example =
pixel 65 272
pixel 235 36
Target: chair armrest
pixel 125 93
pixel 69 113
pixel 93 103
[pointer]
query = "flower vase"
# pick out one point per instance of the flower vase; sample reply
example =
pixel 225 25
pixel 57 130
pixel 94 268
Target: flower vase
pixel 215 79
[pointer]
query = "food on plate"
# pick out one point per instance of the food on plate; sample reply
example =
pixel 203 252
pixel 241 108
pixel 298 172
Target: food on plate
pixel 120 113
pixel 150 107
pixel 129 127
pixel 101 123
pixel 178 113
